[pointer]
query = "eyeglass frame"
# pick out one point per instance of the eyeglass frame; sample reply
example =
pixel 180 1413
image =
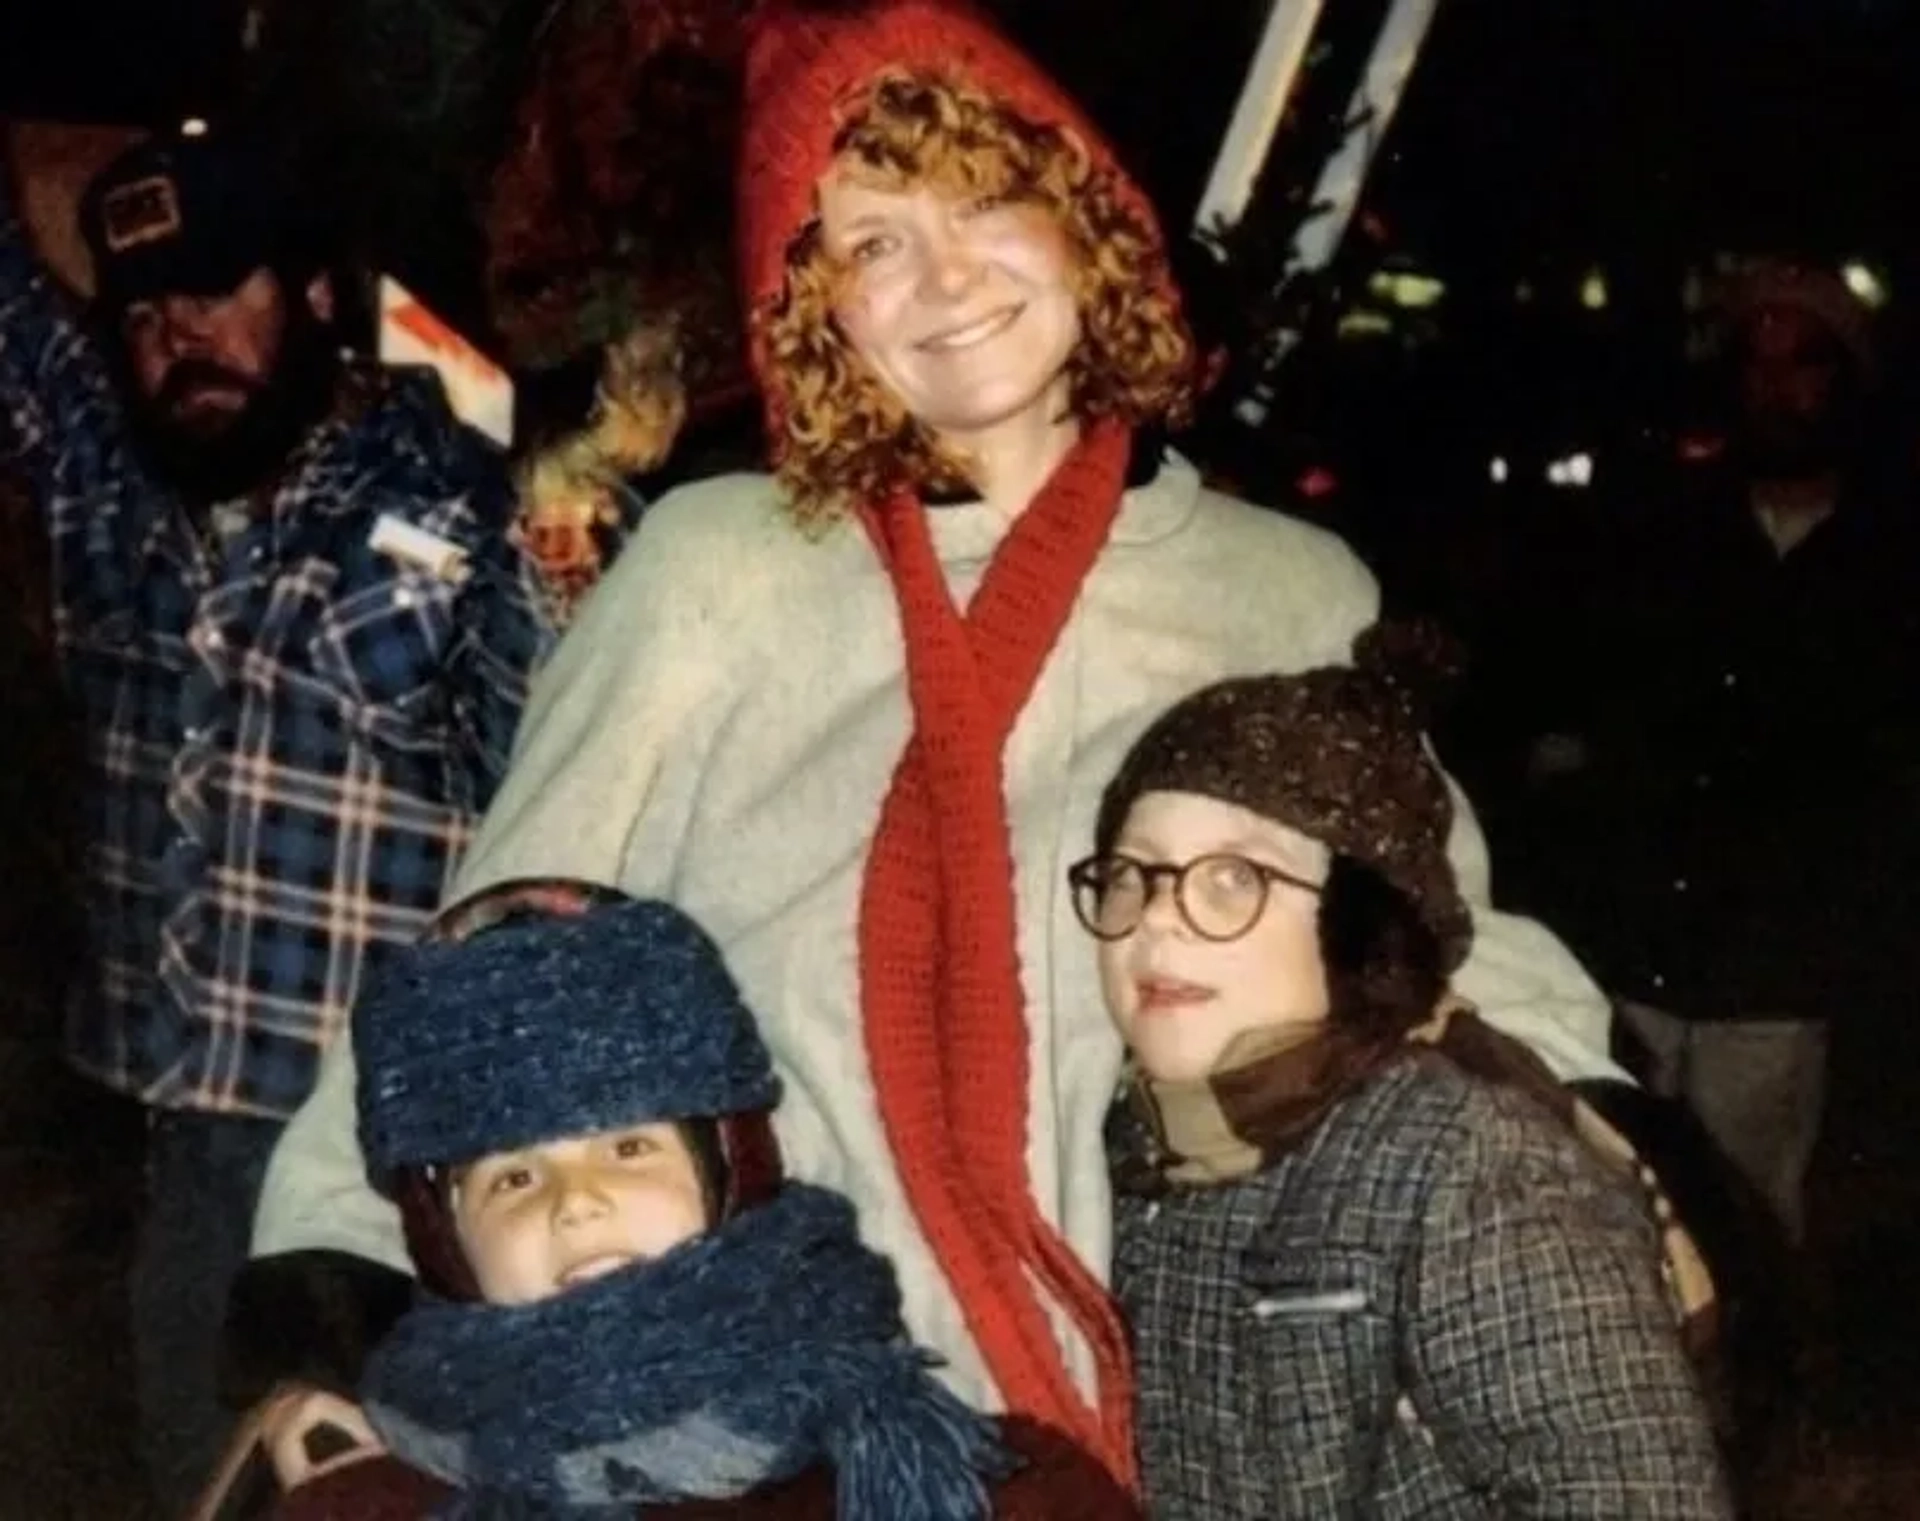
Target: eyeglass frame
pixel 1152 873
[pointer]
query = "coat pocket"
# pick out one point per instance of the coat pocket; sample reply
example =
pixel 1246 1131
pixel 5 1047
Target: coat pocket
pixel 381 648
pixel 1292 1279
pixel 1301 1303
pixel 1317 1325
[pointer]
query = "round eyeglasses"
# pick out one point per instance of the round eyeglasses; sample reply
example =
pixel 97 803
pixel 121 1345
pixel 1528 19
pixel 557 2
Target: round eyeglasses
pixel 1220 896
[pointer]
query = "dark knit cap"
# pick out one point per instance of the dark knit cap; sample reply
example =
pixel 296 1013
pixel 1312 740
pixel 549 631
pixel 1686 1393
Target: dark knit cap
pixel 1335 753
pixel 195 213
pixel 542 1025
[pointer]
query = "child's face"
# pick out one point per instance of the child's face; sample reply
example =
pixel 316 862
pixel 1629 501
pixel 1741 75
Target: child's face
pixel 537 1221
pixel 1180 999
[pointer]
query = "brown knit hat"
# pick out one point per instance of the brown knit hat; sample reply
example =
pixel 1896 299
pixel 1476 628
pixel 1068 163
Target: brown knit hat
pixel 1335 753
pixel 809 66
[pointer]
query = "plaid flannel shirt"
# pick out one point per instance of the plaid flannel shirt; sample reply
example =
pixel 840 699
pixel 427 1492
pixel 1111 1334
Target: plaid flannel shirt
pixel 288 732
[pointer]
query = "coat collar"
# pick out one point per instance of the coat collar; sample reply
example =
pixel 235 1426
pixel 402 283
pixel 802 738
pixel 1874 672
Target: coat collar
pixel 1160 505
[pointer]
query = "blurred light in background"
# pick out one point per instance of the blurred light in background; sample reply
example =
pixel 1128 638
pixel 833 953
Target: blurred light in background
pixel 1316 482
pixel 1864 283
pixel 1405 288
pixel 1365 324
pixel 1573 472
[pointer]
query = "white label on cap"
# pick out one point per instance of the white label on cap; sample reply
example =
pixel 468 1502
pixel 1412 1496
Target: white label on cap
pixel 141 211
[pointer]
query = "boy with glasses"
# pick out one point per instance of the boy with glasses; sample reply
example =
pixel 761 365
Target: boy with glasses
pixel 1374 1257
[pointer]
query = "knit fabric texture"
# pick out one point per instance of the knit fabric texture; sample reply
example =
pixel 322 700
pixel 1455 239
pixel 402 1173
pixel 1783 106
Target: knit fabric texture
pixel 536 1028
pixel 809 67
pixel 943 1010
pixel 1335 753
pixel 767 1347
pixel 1056 1482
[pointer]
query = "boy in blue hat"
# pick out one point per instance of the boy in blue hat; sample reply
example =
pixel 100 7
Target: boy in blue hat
pixel 631 1311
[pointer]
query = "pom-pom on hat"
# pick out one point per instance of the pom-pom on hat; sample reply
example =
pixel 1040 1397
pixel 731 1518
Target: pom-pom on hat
pixel 1335 753
pixel 809 65
pixel 559 1010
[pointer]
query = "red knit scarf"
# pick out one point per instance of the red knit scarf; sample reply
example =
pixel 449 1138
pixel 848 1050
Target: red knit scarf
pixel 944 1010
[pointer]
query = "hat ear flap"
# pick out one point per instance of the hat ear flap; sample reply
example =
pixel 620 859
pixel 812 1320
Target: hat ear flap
pixel 425 1199
pixel 751 1155
pixel 1385 965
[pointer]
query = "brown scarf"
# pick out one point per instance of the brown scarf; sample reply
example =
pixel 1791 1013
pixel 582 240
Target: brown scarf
pixel 944 1012
pixel 1274 1088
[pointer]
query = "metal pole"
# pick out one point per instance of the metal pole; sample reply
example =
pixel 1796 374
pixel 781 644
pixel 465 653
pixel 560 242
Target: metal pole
pixel 1375 100
pixel 1256 116
pixel 1336 193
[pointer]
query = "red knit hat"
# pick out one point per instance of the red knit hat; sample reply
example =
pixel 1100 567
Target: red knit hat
pixel 807 63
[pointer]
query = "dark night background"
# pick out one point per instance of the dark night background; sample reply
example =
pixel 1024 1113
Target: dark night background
pixel 1533 129
pixel 1539 139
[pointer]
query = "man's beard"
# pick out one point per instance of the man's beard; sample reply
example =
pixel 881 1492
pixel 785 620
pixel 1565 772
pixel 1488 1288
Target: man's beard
pixel 249 448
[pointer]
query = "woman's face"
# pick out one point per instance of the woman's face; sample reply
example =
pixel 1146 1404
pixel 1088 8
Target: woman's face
pixel 537 1221
pixel 963 309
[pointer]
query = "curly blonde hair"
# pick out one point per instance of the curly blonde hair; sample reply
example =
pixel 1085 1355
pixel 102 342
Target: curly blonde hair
pixel 847 438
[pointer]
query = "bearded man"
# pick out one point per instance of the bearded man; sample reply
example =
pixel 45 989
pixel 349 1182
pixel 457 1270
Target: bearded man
pixel 296 632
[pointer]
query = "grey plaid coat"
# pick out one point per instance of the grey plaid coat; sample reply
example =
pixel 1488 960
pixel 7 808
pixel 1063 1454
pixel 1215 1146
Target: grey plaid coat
pixel 1439 1306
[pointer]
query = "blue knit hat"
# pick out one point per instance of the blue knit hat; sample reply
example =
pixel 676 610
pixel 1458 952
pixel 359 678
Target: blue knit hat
pixel 539 1024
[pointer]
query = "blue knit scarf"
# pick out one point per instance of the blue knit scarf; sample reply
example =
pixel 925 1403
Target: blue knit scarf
pixel 764 1348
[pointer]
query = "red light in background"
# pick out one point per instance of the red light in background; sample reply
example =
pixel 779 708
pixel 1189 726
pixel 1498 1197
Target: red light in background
pixel 1315 482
